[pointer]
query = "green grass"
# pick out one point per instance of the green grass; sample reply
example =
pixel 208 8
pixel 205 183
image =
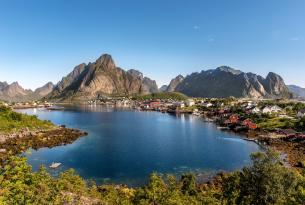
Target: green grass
pixel 11 121
pixel 275 123
pixel 162 96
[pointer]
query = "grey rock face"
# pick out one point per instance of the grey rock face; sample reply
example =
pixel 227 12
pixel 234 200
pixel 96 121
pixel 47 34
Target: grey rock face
pixel 174 83
pixel 163 88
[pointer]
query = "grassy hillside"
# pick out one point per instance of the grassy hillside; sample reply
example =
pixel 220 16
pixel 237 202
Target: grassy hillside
pixel 162 96
pixel 11 121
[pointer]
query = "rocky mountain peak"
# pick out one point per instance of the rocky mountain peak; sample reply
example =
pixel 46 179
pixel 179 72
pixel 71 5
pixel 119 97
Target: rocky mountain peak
pixel 174 83
pixel 101 78
pixel 273 76
pixel 136 73
pixel 105 61
pixel 45 90
pixel 228 70
pixel 3 85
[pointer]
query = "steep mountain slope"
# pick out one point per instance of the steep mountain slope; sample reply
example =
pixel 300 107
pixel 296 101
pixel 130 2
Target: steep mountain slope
pixel 44 90
pixel 225 81
pixel 174 82
pixel 297 91
pixel 100 78
pixel 3 85
pixel 163 88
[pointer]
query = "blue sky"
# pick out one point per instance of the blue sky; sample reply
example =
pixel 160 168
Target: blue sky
pixel 42 41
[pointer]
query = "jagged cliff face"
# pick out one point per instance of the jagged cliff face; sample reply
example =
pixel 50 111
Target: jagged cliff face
pixel 102 77
pixel 225 81
pixel 148 85
pixel 174 83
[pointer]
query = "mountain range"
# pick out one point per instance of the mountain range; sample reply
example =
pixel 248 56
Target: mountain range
pixel 104 78
pixel 15 93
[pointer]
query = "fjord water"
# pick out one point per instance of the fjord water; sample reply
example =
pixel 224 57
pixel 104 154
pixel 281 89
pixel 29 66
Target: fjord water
pixel 125 146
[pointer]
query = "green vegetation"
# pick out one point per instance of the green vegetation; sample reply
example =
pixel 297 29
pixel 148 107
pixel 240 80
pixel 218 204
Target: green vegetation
pixel 266 181
pixel 162 96
pixel 11 121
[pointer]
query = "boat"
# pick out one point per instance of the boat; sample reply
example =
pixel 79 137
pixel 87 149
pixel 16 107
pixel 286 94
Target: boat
pixel 55 165
pixel 55 108
pixel 223 128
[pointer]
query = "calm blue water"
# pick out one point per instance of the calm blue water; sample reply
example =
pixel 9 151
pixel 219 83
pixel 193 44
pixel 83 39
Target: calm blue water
pixel 126 146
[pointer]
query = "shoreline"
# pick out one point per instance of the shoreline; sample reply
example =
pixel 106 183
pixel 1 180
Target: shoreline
pixel 293 150
pixel 18 142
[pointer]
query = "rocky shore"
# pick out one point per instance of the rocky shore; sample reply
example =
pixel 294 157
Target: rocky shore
pixel 16 143
pixel 292 148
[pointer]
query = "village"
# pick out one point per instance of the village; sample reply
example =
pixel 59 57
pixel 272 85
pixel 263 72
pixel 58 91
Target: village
pixel 275 118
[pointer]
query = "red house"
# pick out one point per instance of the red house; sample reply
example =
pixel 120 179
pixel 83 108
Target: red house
pixel 234 119
pixel 249 124
pixel 154 104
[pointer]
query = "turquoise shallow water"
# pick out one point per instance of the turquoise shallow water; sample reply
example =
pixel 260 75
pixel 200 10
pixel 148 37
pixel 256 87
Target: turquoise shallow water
pixel 125 146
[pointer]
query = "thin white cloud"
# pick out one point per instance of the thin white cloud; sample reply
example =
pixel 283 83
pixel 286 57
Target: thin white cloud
pixel 294 39
pixel 196 27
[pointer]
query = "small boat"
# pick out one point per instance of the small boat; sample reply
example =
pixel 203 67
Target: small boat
pixel 55 165
pixel 55 108
pixel 223 128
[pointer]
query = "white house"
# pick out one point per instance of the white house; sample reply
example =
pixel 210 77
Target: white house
pixel 272 109
pixel 301 113
pixel 189 102
pixel 207 104
pixel 180 104
pixel 255 110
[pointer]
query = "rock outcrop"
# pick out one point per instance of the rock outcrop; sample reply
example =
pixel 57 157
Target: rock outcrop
pixel 225 81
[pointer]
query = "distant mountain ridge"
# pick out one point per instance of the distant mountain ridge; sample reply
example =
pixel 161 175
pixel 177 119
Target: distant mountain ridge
pixel 297 91
pixel 104 78
pixel 15 93
pixel 225 81
pixel 101 78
